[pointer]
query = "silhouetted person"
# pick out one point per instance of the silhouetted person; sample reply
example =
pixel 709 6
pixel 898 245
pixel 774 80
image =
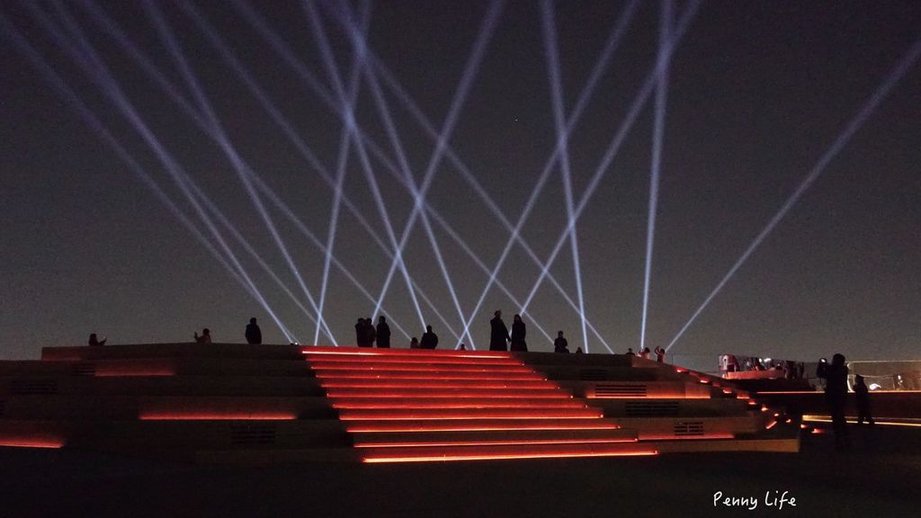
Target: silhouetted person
pixel 519 331
pixel 660 355
pixel 95 341
pixel 630 351
pixel 462 347
pixel 560 344
pixel 383 332
pixel 429 339
pixel 836 397
pixel 862 394
pixel 253 333
pixel 644 353
pixel 414 343
pixel 362 338
pixel 371 332
pixel 205 337
pixel 578 350
pixel 498 335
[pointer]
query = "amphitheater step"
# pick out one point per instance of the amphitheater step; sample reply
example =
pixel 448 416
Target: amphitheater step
pixel 498 452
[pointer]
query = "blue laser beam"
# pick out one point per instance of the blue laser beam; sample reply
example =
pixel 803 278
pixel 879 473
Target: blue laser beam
pixel 617 140
pixel 867 109
pixel 559 119
pixel 655 169
pixel 235 270
pixel 242 169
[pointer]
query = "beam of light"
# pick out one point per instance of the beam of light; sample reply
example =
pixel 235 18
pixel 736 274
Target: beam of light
pixel 479 262
pixel 90 63
pixel 559 118
pixel 242 169
pixel 470 71
pixel 109 26
pixel 333 103
pixel 617 140
pixel 106 136
pixel 342 161
pixel 288 57
pixel 191 190
pixel 869 107
pixel 584 96
pixel 350 122
pixel 419 195
pixel 655 168
pixel 415 111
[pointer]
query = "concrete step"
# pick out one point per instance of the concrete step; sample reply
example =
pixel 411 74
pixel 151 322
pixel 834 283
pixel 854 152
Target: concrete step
pixel 333 382
pixel 162 385
pixel 451 438
pixel 679 428
pixel 163 407
pixel 384 425
pixel 124 367
pixel 444 414
pixel 448 393
pixel 428 362
pixel 633 389
pixel 642 407
pixel 134 435
pixel 498 452
pixel 443 403
pixel 178 350
pixel 425 375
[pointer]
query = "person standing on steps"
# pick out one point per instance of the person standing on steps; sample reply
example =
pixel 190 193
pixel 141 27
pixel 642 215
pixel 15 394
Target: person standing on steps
pixel 429 339
pixel 253 333
pixel 498 335
pixel 560 344
pixel 383 332
pixel 519 331
pixel 862 395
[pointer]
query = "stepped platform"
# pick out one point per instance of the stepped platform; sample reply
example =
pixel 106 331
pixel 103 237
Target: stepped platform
pixel 268 404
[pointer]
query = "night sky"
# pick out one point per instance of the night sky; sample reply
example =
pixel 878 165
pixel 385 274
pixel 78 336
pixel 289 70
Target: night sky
pixel 755 95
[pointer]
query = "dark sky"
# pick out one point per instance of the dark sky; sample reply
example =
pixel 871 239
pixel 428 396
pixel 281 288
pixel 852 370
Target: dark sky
pixel 757 92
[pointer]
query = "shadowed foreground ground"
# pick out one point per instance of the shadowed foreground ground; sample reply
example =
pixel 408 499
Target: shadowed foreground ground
pixel 880 477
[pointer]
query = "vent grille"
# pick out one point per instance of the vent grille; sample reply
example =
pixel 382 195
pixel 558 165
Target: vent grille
pixel 33 387
pixel 84 369
pixel 620 389
pixel 252 434
pixel 652 408
pixel 593 374
pixel 689 428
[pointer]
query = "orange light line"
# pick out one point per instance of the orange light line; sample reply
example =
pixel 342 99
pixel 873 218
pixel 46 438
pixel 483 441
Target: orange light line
pixel 471 393
pixel 31 443
pixel 216 416
pixel 399 417
pixel 550 404
pixel 445 458
pixel 378 428
pixel 442 393
pixel 437 377
pixel 368 384
pixel 491 443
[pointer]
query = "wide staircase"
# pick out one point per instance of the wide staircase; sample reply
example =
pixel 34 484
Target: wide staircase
pixel 407 405
pixel 234 403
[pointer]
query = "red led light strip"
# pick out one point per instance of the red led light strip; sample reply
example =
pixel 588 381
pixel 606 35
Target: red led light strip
pixel 491 443
pixel 574 413
pixel 374 427
pixel 216 416
pixel 26 442
pixel 536 455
